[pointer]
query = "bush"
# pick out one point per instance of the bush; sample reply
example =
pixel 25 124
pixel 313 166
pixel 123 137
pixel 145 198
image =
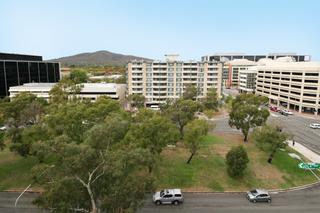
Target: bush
pixel 237 160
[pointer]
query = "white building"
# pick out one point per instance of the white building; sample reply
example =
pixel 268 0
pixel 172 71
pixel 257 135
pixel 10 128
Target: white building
pixel 41 90
pixel 90 91
pixel 232 70
pixel 159 81
pixel 247 80
pixel 295 85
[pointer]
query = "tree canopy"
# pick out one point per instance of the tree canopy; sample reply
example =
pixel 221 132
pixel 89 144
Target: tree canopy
pixel 237 160
pixel 181 112
pixel 248 112
pixel 194 133
pixel 270 139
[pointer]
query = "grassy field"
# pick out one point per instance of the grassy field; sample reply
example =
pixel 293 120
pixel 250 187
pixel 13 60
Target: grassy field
pixel 207 171
pixel 15 171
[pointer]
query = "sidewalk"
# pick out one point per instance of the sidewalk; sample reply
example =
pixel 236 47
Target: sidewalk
pixel 312 156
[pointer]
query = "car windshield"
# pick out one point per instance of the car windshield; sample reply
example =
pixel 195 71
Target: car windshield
pixel 254 192
pixel 161 193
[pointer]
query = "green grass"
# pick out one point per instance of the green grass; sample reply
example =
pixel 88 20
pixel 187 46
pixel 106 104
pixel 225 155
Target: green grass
pixel 207 170
pixel 293 174
pixel 15 171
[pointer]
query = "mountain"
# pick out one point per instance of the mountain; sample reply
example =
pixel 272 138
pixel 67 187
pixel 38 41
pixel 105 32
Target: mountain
pixel 97 58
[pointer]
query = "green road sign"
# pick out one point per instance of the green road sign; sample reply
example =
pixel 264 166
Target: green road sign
pixel 309 165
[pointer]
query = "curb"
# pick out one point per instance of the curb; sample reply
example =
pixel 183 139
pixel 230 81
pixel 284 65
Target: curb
pixel 28 191
pixel 273 191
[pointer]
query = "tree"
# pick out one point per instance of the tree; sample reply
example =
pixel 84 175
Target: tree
pixel 84 180
pixel 78 76
pixel 181 112
pixel 247 112
pixel 211 101
pixel 23 111
pixel 190 92
pixel 270 139
pixel 237 160
pixel 194 133
pixel 137 100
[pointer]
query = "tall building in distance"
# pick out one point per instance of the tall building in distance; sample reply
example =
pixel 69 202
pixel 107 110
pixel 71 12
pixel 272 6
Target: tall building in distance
pixel 159 81
pixel 18 69
pixel 252 57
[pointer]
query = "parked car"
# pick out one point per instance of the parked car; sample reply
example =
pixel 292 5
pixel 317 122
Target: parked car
pixel 168 196
pixel 315 126
pixel 285 112
pixel 273 108
pixel 258 195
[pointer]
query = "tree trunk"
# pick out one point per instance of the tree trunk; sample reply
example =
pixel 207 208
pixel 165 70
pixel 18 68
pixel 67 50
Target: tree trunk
pixel 245 137
pixel 190 158
pixel 181 131
pixel 150 168
pixel 271 156
pixel 93 202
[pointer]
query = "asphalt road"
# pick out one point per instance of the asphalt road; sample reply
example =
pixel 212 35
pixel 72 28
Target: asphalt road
pixel 293 124
pixel 303 201
pixel 299 127
pixel 7 200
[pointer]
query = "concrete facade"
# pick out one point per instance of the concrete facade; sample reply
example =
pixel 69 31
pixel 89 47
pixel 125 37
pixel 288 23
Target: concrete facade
pixel 160 81
pixel 294 85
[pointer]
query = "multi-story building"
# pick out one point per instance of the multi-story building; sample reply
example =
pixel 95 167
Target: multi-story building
pixel 159 81
pixel 232 56
pixel 88 91
pixel 295 85
pixel 247 80
pixel 232 70
pixel 19 69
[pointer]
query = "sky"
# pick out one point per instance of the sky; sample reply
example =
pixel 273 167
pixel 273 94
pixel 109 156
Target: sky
pixel 153 28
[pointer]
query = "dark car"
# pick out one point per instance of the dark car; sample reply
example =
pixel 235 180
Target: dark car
pixel 258 195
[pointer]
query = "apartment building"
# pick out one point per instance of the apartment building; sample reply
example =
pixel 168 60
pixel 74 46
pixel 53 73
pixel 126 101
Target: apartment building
pixel 294 85
pixel 159 81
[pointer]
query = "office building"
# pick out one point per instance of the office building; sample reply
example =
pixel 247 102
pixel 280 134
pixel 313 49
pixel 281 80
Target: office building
pixel 232 69
pixel 247 80
pixel 20 69
pixel 252 57
pixel 88 91
pixel 159 81
pixel 294 85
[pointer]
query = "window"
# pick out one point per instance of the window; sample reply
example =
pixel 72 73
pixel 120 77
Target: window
pixel 168 196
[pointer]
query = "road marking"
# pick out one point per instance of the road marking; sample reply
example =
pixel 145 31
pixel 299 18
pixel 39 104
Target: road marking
pixel 274 115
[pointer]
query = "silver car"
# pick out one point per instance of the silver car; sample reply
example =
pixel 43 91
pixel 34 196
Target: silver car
pixel 315 126
pixel 258 195
pixel 168 196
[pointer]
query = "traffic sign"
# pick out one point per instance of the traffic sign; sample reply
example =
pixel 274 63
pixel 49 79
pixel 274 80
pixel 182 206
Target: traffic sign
pixel 309 165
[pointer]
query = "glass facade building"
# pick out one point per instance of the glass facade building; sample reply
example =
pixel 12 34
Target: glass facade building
pixel 19 69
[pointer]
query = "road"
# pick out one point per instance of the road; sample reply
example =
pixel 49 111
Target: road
pixel 293 124
pixel 306 201
pixel 299 127
pixel 7 200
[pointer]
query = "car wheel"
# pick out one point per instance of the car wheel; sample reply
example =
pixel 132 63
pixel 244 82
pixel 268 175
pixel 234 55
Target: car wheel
pixel 269 200
pixel 176 202
pixel 158 202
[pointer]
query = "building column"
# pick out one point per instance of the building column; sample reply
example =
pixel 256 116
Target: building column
pixel 300 108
